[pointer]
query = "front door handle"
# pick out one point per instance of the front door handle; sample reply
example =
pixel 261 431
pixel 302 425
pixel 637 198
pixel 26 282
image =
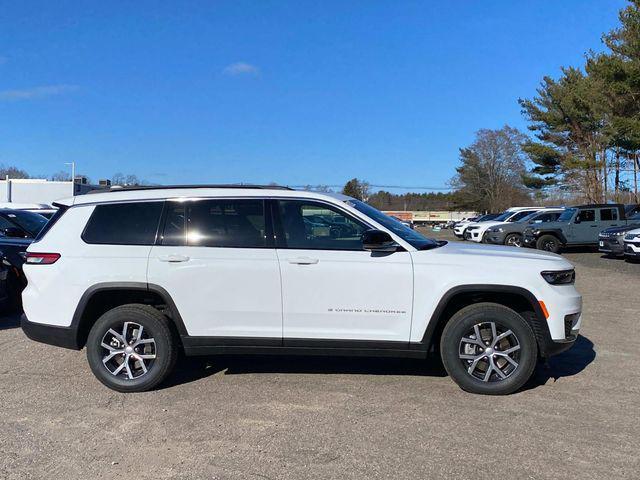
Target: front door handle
pixel 304 261
pixel 173 258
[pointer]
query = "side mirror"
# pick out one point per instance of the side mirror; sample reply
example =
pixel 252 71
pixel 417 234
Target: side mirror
pixel 13 232
pixel 577 220
pixel 378 241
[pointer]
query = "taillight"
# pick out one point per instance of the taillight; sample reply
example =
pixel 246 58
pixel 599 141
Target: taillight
pixel 42 258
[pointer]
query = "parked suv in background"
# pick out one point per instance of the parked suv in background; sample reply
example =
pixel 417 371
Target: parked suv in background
pixel 511 233
pixel 18 228
pixel 476 231
pixel 611 240
pixel 632 244
pixel 137 274
pixel 576 226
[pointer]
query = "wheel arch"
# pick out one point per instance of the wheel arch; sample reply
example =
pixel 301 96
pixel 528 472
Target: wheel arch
pixel 102 297
pixel 555 232
pixel 518 299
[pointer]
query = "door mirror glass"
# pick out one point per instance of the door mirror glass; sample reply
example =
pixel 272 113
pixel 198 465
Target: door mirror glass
pixel 378 241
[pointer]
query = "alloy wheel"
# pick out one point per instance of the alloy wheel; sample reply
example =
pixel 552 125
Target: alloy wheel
pixel 514 241
pixel 490 352
pixel 130 353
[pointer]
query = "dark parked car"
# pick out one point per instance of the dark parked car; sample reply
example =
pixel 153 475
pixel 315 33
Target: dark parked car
pixel 576 226
pixel 511 233
pixel 611 240
pixel 18 228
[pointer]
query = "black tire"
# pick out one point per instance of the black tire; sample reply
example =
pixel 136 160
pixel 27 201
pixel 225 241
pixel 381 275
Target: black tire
pixel 549 243
pixel 155 325
pixel 505 320
pixel 513 240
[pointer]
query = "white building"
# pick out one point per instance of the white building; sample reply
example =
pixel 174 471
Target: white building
pixel 37 190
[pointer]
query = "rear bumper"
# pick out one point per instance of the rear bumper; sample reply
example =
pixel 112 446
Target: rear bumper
pixel 529 241
pixel 66 337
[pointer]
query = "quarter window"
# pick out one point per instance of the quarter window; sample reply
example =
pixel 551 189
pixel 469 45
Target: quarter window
pixel 123 224
pixel 315 226
pixel 229 223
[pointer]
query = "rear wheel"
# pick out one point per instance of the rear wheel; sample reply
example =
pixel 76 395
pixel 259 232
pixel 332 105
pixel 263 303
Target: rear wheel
pixel 548 243
pixel 131 348
pixel 513 240
pixel 489 349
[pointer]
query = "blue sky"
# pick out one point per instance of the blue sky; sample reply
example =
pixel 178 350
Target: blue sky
pixel 293 92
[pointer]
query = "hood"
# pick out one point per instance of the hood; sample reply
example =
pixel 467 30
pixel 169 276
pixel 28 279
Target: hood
pixel 473 253
pixel 624 228
pixel 547 225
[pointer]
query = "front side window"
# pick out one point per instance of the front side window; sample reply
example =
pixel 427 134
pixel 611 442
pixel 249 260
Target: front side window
pixel 133 223
pixel 412 237
pixel 316 226
pixel 587 216
pixel 230 223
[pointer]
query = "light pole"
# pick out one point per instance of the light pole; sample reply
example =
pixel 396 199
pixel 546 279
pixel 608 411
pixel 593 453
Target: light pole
pixel 73 177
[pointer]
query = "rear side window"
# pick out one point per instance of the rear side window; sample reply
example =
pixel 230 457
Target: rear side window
pixel 230 223
pixel 608 214
pixel 124 224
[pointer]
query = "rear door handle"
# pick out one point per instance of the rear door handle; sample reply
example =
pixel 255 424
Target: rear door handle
pixel 304 261
pixel 173 258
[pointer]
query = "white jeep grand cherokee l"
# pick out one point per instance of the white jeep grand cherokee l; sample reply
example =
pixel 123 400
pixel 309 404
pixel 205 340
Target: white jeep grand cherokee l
pixel 136 275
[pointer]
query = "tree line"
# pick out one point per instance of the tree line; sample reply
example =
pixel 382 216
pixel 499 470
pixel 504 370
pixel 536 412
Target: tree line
pixel 585 135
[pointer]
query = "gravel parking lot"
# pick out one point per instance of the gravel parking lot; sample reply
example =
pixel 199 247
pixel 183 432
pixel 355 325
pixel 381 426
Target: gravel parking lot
pixel 335 418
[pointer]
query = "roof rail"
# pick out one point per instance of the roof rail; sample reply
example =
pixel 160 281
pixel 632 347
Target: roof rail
pixel 118 188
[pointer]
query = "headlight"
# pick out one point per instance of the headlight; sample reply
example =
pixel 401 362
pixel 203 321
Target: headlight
pixel 560 277
pixel 618 234
pixel 632 236
pixel 500 229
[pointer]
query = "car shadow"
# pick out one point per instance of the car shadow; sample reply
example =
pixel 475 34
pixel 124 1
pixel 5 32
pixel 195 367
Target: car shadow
pixel 567 364
pixel 190 369
pixel 10 320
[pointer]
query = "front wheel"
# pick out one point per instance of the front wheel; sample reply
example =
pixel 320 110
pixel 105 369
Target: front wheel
pixel 548 243
pixel 131 348
pixel 489 349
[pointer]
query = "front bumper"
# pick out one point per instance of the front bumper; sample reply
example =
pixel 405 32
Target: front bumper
pixel 66 337
pixel 529 241
pixel 495 238
pixel 611 246
pixel 632 250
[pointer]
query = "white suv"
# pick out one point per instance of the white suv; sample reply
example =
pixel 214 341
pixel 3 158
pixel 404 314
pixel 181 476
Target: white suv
pixel 475 231
pixel 632 244
pixel 137 275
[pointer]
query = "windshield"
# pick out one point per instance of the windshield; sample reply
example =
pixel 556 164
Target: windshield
pixel 531 216
pixel 503 216
pixel 32 223
pixel 567 215
pixel 484 218
pixel 634 217
pixel 415 239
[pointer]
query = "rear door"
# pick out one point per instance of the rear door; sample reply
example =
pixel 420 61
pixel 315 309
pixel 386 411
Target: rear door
pixel 609 217
pixel 217 261
pixel 331 287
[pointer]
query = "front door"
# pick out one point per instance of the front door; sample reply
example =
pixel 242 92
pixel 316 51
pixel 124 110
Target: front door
pixel 217 261
pixel 333 289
